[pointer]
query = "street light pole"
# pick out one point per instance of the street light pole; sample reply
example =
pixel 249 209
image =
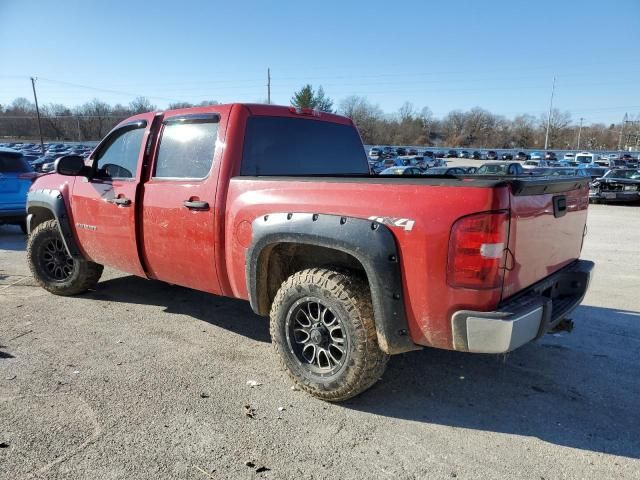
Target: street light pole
pixel 35 97
pixel 579 132
pixel 546 137
pixel 269 86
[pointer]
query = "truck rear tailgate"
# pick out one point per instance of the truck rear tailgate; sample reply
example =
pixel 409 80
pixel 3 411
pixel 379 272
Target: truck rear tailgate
pixel 548 219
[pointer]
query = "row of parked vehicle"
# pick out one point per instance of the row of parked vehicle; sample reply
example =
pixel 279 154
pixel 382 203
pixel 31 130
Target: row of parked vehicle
pixel 568 159
pixel 617 184
pixel 44 161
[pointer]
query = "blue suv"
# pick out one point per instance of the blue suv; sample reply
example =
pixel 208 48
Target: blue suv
pixel 16 176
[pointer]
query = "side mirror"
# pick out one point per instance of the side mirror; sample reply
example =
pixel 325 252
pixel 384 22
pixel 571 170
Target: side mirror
pixel 72 166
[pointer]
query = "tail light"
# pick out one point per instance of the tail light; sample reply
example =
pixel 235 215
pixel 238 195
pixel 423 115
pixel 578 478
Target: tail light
pixel 477 249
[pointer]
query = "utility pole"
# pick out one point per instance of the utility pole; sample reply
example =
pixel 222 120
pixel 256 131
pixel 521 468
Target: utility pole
pixel 35 97
pixel 78 125
pixel 579 132
pixel 269 86
pixel 624 122
pixel 546 137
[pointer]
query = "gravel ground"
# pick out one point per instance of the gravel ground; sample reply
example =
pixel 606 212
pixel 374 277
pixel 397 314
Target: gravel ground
pixel 141 379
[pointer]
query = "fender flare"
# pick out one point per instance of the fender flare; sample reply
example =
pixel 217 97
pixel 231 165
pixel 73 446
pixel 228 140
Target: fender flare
pixel 53 201
pixel 369 242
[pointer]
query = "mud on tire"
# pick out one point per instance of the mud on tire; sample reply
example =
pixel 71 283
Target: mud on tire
pixel 323 330
pixel 53 268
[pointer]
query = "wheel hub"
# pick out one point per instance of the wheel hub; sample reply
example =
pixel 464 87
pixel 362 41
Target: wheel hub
pixel 316 337
pixel 56 261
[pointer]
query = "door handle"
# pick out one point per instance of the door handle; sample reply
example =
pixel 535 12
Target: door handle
pixel 121 201
pixel 196 204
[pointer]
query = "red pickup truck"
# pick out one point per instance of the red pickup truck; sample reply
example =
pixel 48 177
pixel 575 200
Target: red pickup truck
pixel 276 205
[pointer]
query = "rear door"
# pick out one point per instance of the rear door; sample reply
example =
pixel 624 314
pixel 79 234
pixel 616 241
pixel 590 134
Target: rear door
pixel 104 207
pixel 546 231
pixel 178 215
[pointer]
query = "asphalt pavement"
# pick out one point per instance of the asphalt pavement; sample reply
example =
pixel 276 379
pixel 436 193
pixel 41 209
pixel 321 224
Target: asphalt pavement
pixel 143 380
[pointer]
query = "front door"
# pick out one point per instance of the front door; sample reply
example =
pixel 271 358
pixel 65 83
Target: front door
pixel 178 221
pixel 104 206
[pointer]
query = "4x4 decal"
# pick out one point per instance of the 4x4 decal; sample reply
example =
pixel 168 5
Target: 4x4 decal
pixel 405 223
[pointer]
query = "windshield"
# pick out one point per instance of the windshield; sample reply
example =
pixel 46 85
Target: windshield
pixel 584 158
pixel 626 174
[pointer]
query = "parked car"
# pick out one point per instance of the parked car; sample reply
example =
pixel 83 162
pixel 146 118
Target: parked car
pixel 470 170
pixel 569 156
pixel 386 163
pixel 559 172
pixel 401 151
pixel 445 171
pixel 16 176
pixel 341 276
pixel 463 154
pixel 630 161
pixel 388 152
pixel 375 152
pixel 521 156
pixel 404 170
pixel 452 154
pixel 506 156
pixel 595 172
pixel 536 156
pixel 618 163
pixel 476 155
pixel 412 152
pixel 500 168
pixel 586 159
pixel 428 154
pixel 535 164
pixel 550 156
pixel 492 155
pixel 619 185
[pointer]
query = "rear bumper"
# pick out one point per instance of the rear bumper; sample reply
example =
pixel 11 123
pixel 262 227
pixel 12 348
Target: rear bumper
pixel 631 196
pixel 524 317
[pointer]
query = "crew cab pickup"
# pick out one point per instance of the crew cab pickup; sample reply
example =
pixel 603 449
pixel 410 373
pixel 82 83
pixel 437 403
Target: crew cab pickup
pixel 247 201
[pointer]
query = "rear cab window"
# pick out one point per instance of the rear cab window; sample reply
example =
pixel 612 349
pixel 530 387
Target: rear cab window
pixel 13 163
pixel 301 146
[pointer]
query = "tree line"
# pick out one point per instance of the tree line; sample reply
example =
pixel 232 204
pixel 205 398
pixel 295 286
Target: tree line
pixel 475 128
pixel 89 121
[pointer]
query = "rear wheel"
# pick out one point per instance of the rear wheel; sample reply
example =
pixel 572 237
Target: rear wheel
pixel 323 330
pixel 52 266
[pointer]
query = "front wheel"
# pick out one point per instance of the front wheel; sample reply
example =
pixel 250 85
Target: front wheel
pixel 52 266
pixel 322 328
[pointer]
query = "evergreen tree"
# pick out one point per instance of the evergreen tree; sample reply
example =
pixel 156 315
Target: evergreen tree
pixel 323 103
pixel 304 98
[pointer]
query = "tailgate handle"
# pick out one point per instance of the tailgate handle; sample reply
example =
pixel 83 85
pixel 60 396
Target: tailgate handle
pixel 559 206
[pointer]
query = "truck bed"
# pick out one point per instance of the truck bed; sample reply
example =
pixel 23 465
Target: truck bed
pixel 420 212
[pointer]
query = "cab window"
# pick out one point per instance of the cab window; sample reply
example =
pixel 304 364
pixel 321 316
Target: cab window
pixel 187 148
pixel 119 158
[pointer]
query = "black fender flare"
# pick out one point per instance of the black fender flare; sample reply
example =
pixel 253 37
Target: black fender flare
pixel 369 242
pixel 53 201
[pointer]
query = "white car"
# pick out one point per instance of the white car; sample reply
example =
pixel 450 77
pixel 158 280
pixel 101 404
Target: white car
pixel 569 157
pixel 586 159
pixel 529 164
